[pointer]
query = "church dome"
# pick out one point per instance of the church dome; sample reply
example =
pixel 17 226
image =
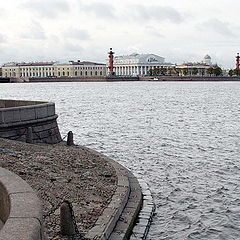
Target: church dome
pixel 207 57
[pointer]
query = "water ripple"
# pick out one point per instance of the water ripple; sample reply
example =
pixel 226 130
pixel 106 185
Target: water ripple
pixel 182 138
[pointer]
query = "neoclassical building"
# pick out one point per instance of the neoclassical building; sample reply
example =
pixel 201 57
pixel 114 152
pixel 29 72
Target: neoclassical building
pixel 198 68
pixel 53 69
pixel 138 64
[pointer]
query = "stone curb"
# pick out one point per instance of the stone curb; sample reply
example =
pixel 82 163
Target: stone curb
pixel 20 209
pixel 116 221
pixel 126 221
pixel 141 229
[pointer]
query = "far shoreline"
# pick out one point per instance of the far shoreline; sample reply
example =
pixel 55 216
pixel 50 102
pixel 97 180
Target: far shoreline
pixel 128 79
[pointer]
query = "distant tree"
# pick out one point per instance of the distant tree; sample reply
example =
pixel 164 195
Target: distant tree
pixel 163 71
pixel 171 71
pixel 217 71
pixel 150 72
pixel 177 71
pixel 156 71
pixel 194 71
pixel 236 72
pixel 185 72
pixel 231 72
pixel 210 71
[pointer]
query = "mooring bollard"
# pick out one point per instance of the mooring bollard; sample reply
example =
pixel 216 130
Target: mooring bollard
pixel 29 137
pixel 70 139
pixel 67 226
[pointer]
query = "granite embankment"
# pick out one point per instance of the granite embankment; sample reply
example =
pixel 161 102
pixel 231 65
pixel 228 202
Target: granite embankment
pixel 60 173
pixel 101 191
pixel 29 121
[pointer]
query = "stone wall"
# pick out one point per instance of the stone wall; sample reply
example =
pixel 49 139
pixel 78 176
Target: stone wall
pixel 21 119
pixel 20 209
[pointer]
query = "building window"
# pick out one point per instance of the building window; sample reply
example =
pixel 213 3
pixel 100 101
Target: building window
pixel 86 73
pixel 91 73
pixel 75 73
pixel 81 73
pixel 63 73
pixel 101 73
pixel 96 73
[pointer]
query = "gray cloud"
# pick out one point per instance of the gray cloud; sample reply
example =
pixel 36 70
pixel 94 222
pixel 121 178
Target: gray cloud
pixel 47 8
pixel 144 13
pixel 217 26
pixel 70 47
pixel 154 31
pixel 100 10
pixel 2 38
pixel 80 34
pixel 35 31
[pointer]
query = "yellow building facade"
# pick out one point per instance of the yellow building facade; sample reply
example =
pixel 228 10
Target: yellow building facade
pixel 54 69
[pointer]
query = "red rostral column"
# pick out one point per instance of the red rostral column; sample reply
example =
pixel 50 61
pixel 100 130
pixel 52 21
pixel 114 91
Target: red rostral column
pixel 111 61
pixel 237 61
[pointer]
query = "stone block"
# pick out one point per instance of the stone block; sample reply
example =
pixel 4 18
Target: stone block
pixel 5 172
pixel 115 202
pixel 25 205
pixel 8 116
pixel 134 238
pixel 1 117
pixel 116 236
pixel 95 233
pixel 38 128
pixel 132 204
pixel 9 133
pixel 2 103
pixel 148 208
pixel 44 134
pixel 10 103
pixel 143 222
pixel 123 182
pixel 21 229
pixel 41 112
pixel 135 195
pixel 14 184
pixel 4 204
pixel 27 114
pixel 145 216
pixel 139 230
pixel 51 109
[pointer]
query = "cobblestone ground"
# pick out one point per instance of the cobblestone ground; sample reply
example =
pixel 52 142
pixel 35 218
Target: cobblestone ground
pixel 57 173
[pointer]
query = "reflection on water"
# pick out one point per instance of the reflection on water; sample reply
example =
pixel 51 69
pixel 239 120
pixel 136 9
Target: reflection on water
pixel 182 138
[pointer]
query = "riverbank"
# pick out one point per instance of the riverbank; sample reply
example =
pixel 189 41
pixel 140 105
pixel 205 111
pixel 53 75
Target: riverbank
pixel 60 173
pixel 145 78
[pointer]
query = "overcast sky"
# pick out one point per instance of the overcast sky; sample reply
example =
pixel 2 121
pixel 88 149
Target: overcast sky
pixel 63 30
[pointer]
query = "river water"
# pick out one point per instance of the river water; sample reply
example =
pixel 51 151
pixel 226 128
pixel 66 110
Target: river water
pixel 183 138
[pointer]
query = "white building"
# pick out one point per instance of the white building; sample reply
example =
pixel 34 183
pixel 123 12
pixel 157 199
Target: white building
pixel 138 64
pixel 196 68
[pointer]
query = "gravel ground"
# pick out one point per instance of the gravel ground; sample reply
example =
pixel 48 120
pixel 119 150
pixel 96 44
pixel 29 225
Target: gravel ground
pixel 57 173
